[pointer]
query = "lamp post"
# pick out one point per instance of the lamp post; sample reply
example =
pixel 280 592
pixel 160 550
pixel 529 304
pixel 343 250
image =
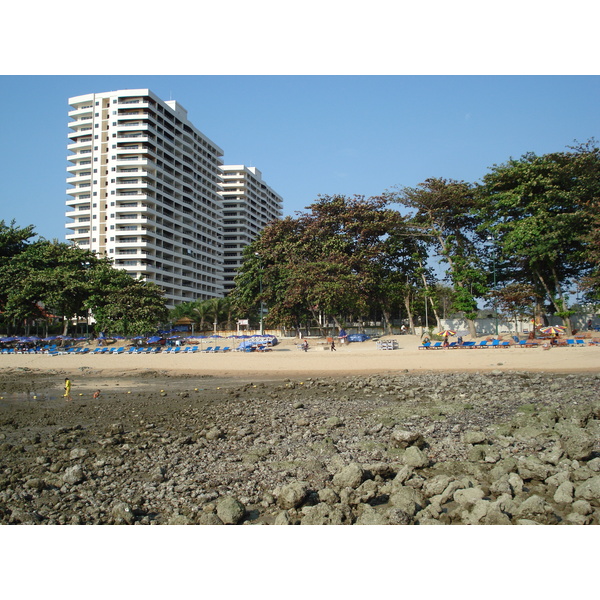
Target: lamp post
pixel 262 330
pixel 490 238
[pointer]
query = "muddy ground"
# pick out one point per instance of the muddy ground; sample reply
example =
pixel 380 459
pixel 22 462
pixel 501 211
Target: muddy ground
pixel 395 449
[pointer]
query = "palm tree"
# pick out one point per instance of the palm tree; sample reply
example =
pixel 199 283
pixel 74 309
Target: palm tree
pixel 201 311
pixel 215 309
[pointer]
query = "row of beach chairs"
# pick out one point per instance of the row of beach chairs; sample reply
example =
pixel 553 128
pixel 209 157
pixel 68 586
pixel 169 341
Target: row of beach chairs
pixel 505 344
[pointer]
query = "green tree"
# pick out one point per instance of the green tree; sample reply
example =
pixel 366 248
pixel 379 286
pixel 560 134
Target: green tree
pixel 444 212
pixel 514 301
pixel 47 274
pixel 123 305
pixel 324 262
pixel 535 209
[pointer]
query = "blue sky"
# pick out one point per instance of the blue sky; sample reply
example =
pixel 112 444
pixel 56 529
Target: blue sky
pixel 309 135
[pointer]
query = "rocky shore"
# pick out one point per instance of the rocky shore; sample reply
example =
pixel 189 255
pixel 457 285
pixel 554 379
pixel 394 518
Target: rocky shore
pixel 428 448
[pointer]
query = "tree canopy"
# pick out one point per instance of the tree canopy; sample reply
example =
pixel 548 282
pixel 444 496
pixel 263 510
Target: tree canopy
pixel 43 279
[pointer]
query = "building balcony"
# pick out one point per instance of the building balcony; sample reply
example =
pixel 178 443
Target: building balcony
pixel 77 179
pixel 79 195
pixel 82 165
pixel 81 212
pixel 80 145
pixel 80 111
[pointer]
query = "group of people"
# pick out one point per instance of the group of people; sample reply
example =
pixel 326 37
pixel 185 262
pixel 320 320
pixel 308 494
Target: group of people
pixel 67 395
pixel 304 345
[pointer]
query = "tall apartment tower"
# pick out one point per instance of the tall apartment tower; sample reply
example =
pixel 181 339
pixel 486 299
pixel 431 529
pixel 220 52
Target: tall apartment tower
pixel 146 191
pixel 248 205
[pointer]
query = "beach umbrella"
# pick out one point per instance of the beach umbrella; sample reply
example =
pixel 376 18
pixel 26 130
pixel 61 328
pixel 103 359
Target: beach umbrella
pixel 553 330
pixel 447 332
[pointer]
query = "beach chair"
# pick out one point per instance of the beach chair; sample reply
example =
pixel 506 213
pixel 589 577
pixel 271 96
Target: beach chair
pixel 226 349
pixel 437 346
pixel 482 344
pixel 216 349
pixel 425 346
pixel 467 345
pixel 528 344
pixel 209 349
pixel 571 343
pixel 580 342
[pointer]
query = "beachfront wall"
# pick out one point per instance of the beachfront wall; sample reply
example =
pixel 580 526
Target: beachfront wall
pixel 484 327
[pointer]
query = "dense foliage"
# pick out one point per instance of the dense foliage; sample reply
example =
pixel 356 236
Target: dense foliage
pixel 524 240
pixel 42 281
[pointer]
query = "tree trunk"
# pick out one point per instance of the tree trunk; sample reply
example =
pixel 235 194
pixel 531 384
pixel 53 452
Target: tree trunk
pixel 557 308
pixel 411 323
pixel 387 328
pixel 472 330
pixel 430 298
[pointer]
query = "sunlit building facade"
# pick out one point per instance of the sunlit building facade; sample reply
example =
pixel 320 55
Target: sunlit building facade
pixel 248 205
pixel 146 191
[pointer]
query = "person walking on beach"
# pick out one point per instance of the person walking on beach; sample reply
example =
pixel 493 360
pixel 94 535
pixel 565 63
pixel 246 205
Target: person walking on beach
pixel 305 346
pixel 333 346
pixel 96 395
pixel 67 389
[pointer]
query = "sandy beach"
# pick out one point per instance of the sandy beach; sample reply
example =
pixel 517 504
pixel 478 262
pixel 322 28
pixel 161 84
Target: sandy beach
pixel 286 360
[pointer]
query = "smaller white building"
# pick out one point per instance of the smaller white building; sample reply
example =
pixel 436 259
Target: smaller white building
pixel 249 204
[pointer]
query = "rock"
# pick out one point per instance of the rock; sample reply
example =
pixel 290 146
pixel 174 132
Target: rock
pixel 73 475
pixel 328 495
pixel 436 485
pixel 576 442
pixel 534 506
pixel 396 516
pixel 178 519
pixel 334 422
pixel 350 476
pixel 474 437
pixel 369 516
pixel 35 483
pixel 322 514
pixel 468 497
pixel 583 507
pixel 209 519
pixel 589 489
pixel 293 495
pixel 415 457
pixel 408 500
pixel 230 510
pixel 283 518
pixel 564 493
pixel 401 438
pixel 495 517
pixel 78 453
pixel 213 434
pixel 122 513
pixel 531 467
pixel 158 474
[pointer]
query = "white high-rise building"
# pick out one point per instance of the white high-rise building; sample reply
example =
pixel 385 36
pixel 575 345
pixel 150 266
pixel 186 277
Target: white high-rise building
pixel 248 205
pixel 146 191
